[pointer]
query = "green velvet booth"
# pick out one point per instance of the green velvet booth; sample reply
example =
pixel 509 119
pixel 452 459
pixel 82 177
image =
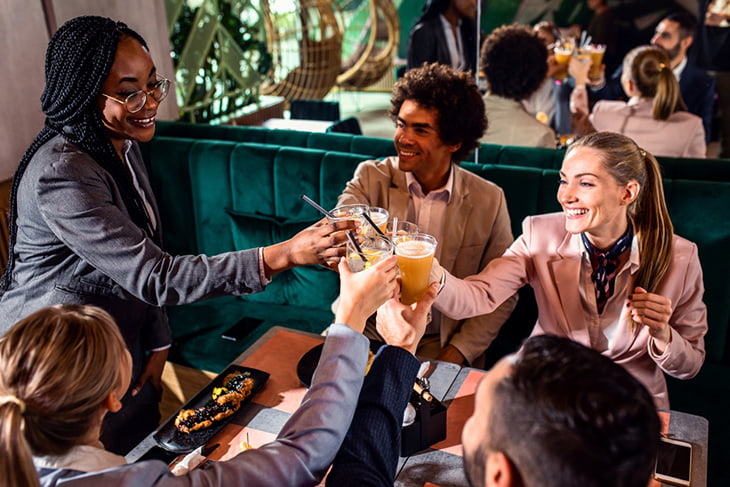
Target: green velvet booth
pixel 672 167
pixel 227 188
pixel 218 196
pixel 330 141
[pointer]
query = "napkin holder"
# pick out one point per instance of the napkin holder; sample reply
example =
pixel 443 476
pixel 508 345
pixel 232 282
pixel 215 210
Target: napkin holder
pixel 429 426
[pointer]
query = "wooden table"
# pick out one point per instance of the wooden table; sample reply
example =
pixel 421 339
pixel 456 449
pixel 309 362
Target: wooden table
pixel 279 350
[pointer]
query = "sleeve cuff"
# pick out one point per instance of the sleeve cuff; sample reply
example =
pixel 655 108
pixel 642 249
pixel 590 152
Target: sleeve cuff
pixel 653 348
pixel 262 272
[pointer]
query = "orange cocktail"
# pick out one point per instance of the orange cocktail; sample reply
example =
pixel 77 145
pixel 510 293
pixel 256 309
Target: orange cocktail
pixel 596 51
pixel 562 53
pixel 368 252
pixel 415 256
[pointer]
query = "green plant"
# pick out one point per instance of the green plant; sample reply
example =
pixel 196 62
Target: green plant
pixel 219 51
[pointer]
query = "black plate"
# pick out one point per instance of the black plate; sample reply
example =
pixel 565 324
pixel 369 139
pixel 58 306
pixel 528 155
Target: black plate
pixel 170 438
pixel 309 361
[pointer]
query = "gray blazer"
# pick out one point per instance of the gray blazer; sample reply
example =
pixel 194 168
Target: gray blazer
pixel 299 456
pixel 76 243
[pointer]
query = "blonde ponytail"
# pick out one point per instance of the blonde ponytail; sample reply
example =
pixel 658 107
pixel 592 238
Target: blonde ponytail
pixel 648 67
pixel 652 226
pixel 16 461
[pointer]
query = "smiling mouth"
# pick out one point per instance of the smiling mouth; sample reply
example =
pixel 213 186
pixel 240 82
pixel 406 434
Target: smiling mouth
pixel 405 153
pixel 575 211
pixel 145 122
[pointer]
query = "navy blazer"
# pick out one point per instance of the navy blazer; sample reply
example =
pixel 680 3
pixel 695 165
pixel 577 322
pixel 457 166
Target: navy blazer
pixel 369 455
pixel 697 88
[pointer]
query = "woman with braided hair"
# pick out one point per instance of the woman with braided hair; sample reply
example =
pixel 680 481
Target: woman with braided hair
pixel 84 225
pixel 655 116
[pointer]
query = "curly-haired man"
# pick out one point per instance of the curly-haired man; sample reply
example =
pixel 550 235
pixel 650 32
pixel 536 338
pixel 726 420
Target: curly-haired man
pixel 439 118
pixel 514 62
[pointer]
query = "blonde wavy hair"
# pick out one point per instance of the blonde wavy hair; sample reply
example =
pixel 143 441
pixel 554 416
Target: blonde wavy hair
pixel 57 366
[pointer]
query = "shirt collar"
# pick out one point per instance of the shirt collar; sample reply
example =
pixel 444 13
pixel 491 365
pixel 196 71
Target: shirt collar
pixel 680 68
pixel 414 187
pixel 127 146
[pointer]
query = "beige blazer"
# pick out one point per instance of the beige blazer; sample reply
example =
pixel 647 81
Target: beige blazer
pixel 510 124
pixel 681 135
pixel 548 258
pixel 477 229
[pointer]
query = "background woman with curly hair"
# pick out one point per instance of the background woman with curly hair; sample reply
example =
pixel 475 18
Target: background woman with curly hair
pixel 514 62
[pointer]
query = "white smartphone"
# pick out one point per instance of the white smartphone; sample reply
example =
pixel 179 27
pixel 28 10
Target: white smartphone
pixel 674 462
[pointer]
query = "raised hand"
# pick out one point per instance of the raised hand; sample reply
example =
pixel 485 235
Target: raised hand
pixel 361 293
pixel 652 311
pixel 318 244
pixel 403 325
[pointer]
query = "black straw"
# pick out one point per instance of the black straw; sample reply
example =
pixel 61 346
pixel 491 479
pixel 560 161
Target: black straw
pixel 317 207
pixel 372 224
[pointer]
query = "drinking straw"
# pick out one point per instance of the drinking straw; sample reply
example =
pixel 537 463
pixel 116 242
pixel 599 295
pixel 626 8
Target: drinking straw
pixel 582 38
pixel 329 214
pixel 394 228
pixel 317 207
pixel 372 224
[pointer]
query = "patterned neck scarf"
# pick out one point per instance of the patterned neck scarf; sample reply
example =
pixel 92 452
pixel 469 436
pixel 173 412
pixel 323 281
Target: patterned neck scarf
pixel 604 274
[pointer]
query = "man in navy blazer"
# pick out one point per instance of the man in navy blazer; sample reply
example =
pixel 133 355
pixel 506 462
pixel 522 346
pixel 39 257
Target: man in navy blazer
pixel 674 34
pixel 555 413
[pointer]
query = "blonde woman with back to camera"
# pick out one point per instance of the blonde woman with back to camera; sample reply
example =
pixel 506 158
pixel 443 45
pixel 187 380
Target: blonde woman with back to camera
pixel 608 271
pixel 655 116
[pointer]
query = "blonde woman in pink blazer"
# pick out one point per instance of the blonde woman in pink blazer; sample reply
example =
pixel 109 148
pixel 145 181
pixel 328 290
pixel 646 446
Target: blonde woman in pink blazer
pixel 608 271
pixel 655 116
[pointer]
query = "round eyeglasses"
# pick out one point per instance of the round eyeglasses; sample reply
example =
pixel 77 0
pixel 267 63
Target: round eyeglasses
pixel 137 100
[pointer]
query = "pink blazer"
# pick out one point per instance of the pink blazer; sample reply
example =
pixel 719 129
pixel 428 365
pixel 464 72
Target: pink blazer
pixel 548 258
pixel 681 135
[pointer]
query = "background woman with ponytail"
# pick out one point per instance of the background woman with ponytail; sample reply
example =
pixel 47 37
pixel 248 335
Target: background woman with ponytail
pixel 84 225
pixel 608 271
pixel 655 115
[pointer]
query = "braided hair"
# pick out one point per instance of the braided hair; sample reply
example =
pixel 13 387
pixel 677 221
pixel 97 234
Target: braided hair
pixel 78 61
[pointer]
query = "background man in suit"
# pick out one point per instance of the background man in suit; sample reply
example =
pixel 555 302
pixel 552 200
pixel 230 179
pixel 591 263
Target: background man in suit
pixel 675 34
pixel 439 116
pixel 446 33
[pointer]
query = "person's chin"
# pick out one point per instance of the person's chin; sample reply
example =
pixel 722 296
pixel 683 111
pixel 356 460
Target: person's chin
pixel 145 136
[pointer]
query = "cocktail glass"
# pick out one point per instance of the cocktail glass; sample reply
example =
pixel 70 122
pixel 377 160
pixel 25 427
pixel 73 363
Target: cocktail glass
pixel 372 250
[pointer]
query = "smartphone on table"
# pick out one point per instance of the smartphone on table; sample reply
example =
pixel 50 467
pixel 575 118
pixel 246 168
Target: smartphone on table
pixel 241 328
pixel 674 462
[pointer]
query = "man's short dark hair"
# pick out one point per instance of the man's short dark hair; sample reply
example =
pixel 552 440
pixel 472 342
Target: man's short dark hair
pixel 687 23
pixel 456 98
pixel 514 60
pixel 566 416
